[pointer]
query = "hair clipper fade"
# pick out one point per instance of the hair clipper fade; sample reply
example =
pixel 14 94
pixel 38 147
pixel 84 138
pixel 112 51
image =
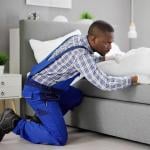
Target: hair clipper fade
pixel 101 26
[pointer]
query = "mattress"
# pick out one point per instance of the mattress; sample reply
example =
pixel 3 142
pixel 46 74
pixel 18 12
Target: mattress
pixel 138 94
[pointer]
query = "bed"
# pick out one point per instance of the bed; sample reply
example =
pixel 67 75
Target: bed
pixel 122 113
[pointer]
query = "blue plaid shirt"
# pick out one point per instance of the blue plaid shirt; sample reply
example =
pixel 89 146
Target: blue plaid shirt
pixel 80 61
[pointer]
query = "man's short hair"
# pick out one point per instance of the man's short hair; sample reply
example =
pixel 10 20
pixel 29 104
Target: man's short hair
pixel 101 26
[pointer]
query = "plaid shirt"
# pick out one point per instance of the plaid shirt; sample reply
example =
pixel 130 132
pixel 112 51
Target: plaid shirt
pixel 80 61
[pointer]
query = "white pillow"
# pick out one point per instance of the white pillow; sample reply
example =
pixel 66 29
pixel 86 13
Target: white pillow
pixel 41 49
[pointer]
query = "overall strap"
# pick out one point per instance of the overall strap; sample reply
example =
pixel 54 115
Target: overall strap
pixel 42 63
pixel 39 67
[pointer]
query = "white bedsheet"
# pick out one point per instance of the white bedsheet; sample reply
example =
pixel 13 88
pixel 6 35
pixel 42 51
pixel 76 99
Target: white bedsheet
pixel 134 62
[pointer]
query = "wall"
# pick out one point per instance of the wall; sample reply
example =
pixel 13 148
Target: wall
pixel 141 18
pixel 114 11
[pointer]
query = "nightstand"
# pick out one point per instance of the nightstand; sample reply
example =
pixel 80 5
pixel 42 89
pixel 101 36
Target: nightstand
pixel 10 87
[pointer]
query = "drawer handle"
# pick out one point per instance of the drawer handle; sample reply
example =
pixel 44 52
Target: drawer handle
pixel 2 83
pixel 2 93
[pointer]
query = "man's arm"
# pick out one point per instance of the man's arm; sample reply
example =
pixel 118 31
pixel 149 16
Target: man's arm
pixel 86 65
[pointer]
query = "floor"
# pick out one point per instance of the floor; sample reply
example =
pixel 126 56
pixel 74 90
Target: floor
pixel 78 139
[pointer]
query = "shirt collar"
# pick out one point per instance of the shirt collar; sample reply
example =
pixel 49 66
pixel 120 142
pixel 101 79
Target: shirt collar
pixel 86 43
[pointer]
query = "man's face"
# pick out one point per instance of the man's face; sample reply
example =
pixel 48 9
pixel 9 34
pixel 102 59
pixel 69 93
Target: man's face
pixel 102 43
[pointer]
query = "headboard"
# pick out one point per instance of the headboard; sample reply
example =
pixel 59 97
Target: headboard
pixel 41 30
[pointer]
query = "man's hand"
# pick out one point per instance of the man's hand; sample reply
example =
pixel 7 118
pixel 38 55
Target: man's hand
pixel 134 80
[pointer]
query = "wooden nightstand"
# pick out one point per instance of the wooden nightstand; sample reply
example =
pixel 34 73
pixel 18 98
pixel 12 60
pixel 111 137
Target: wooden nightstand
pixel 10 87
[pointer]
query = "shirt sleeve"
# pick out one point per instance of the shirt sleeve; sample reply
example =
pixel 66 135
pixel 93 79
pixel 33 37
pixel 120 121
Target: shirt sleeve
pixel 98 58
pixel 86 65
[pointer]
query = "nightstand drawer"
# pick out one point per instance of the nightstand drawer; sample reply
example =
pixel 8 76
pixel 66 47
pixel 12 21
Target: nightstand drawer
pixel 10 81
pixel 10 92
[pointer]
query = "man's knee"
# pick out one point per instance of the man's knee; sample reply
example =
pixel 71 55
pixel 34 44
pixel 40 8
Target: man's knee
pixel 63 140
pixel 77 96
pixel 71 98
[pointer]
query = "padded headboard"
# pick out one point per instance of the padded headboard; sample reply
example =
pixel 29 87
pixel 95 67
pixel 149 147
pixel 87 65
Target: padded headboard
pixel 41 30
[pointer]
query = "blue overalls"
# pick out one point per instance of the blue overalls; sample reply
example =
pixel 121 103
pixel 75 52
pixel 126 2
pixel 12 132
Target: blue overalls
pixel 49 104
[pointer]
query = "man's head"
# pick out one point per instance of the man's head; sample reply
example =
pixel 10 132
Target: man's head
pixel 100 36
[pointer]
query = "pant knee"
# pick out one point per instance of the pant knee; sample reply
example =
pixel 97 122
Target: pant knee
pixel 77 98
pixel 63 140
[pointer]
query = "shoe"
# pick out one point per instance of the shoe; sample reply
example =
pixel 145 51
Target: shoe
pixel 8 122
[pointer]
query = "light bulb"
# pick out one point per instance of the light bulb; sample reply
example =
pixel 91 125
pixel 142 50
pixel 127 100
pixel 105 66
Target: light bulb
pixel 132 31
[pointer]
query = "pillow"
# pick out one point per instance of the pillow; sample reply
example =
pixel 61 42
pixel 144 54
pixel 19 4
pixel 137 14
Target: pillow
pixel 41 49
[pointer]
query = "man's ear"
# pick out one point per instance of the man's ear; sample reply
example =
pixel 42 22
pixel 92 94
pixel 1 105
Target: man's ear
pixel 92 39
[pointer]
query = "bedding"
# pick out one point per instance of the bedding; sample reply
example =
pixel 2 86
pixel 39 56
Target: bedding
pixel 134 62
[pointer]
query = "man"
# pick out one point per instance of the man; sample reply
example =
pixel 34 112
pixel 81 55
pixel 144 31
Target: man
pixel 48 91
